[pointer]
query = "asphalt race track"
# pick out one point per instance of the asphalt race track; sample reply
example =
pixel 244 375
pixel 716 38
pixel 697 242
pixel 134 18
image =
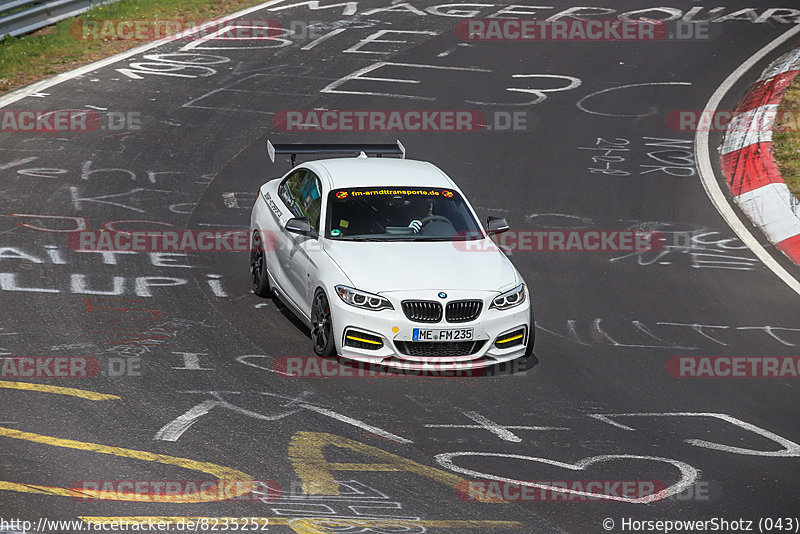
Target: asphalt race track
pixel 187 354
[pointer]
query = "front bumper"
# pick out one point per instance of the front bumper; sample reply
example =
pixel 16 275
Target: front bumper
pixel 386 337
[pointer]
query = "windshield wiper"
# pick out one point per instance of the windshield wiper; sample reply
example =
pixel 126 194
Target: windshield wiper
pixel 395 238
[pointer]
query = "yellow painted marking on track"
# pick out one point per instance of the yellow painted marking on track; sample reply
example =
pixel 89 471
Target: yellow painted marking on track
pixel 45 388
pixel 242 483
pixel 307 454
pixel 311 525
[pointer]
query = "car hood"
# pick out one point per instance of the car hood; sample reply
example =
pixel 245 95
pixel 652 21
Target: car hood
pixel 436 265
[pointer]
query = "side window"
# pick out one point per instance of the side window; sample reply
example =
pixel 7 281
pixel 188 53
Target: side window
pixel 301 192
pixel 289 188
pixel 309 199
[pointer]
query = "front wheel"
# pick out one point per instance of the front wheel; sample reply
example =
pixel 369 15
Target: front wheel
pixel 258 266
pixel 322 326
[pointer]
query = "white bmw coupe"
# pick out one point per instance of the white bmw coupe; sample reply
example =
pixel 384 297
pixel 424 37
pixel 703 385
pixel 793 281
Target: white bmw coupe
pixel 386 262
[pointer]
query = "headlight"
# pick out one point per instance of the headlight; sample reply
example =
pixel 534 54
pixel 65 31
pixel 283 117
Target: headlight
pixel 509 299
pixel 362 299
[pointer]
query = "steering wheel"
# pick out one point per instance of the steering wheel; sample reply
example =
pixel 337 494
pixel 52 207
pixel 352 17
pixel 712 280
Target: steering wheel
pixel 431 218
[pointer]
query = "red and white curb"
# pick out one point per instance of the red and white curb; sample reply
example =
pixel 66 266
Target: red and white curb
pixel 749 165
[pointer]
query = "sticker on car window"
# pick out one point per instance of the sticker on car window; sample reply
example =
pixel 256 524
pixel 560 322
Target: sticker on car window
pixel 344 224
pixel 394 192
pixel 336 233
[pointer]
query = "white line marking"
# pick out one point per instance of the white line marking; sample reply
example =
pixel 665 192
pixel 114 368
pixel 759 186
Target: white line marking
pixel 790 448
pixel 451 50
pixel 354 422
pixel 256 95
pixel 501 431
pixel 34 89
pixel 218 36
pixel 709 180
pixel 689 474
pixel 333 87
pixel 175 428
pixel 493 427
pixel 376 38
pixel 191 361
pixel 607 419
pixel 243 360
pixel 322 39
pixel 17 162
pixel 651 112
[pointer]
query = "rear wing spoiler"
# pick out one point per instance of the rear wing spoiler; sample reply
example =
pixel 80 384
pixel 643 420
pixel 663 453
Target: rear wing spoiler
pixel 294 149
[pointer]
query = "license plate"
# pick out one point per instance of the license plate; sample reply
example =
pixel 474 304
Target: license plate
pixel 458 334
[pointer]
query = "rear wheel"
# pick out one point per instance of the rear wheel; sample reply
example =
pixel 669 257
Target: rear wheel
pixel 258 266
pixel 322 326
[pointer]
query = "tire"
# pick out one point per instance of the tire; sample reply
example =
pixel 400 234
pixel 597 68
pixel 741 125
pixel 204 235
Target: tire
pixel 322 326
pixel 258 267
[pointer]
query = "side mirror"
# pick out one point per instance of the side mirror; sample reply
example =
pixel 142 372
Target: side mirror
pixel 496 225
pixel 300 225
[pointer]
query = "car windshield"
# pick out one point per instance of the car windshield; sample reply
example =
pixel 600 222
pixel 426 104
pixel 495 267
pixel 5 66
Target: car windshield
pixel 399 214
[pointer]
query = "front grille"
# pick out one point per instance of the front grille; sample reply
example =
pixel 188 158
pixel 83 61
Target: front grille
pixel 439 349
pixel 422 311
pixel 461 311
pixel 362 340
pixel 511 339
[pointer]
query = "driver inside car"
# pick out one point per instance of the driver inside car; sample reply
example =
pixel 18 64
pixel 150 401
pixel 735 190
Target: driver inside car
pixel 420 210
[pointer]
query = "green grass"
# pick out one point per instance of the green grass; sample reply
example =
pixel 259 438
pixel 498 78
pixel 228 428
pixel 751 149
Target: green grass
pixel 786 138
pixel 55 49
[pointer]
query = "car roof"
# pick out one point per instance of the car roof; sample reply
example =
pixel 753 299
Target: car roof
pixel 379 172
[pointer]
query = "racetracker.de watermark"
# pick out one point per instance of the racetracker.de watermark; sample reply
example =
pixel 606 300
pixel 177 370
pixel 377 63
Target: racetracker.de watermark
pixel 735 122
pixel 152 29
pixel 559 30
pixel 315 367
pixel 399 120
pixel 67 121
pixel 567 241
pixel 167 241
pixel 134 524
pixel 176 490
pixel 558 490
pixel 48 367
pixel 499 29
pixel 734 366
pixel 378 120
pixel 31 367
